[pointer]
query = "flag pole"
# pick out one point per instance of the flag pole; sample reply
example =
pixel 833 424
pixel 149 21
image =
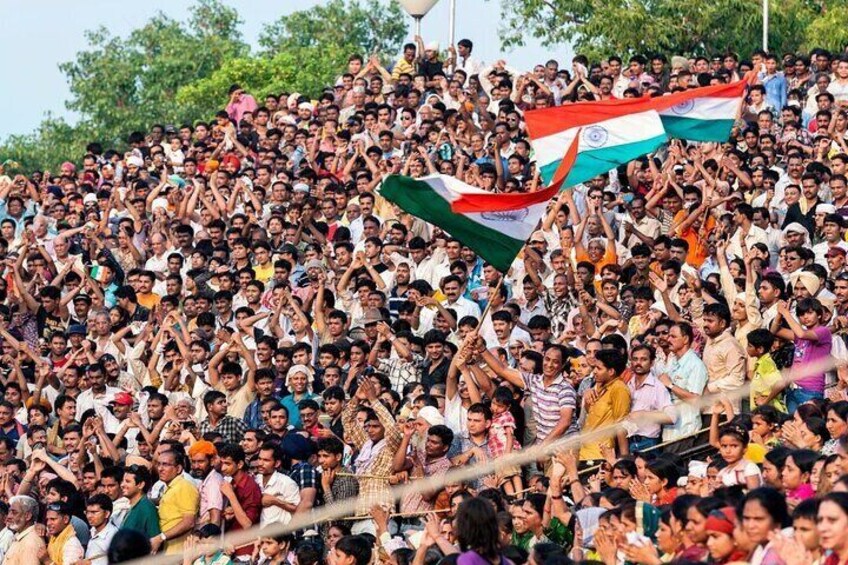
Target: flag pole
pixel 489 302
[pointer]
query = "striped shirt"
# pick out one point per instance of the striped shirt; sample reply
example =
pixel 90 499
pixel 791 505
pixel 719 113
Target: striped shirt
pixel 548 403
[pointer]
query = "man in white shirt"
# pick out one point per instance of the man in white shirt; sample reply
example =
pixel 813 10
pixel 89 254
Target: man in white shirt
pixel 99 395
pixel 452 289
pixel 746 232
pixel 832 231
pixel 98 510
pixel 462 59
pixel 635 223
pixel 280 494
pixel 158 262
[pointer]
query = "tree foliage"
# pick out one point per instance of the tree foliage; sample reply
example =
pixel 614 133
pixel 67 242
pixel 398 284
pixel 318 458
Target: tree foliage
pixel 305 51
pixel 366 27
pixel 169 71
pixel 118 85
pixel 828 31
pixel 605 27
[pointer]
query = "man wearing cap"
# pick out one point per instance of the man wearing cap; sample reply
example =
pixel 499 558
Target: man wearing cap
pixel 833 231
pixel 836 259
pixel 112 420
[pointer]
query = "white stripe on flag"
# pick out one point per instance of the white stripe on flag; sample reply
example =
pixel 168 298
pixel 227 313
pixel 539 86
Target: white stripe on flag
pixel 705 108
pixel 622 130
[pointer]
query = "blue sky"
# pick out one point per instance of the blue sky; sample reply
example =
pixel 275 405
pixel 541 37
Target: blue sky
pixel 37 35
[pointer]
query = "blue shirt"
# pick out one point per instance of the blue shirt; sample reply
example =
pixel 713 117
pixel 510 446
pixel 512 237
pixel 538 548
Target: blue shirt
pixel 775 86
pixel 253 414
pixel 294 412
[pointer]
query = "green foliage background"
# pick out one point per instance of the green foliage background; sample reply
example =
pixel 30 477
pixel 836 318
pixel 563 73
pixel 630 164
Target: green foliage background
pixel 173 72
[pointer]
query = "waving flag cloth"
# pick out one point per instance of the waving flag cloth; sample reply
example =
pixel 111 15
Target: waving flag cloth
pixel 609 133
pixel 701 114
pixel 613 132
pixel 494 225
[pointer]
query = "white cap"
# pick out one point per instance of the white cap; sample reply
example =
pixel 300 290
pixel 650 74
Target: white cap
pixel 159 202
pixel 432 46
pixel 432 416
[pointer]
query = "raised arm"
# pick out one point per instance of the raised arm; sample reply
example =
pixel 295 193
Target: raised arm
pixel 501 370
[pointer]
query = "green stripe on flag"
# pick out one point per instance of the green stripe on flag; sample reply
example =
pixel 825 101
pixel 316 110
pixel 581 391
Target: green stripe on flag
pixel 594 162
pixel 420 200
pixel 697 130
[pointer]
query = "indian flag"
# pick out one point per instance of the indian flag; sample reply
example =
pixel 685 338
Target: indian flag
pixel 608 133
pixel 701 114
pixel 497 236
pixel 494 225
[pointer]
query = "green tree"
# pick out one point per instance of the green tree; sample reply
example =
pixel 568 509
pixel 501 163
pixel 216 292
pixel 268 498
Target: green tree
pixel 828 31
pixel 54 142
pixel 173 72
pixel 605 27
pixel 303 52
pixel 365 27
pixel 119 85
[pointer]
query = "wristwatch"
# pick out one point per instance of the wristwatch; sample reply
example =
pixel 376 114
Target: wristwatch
pixel 163 537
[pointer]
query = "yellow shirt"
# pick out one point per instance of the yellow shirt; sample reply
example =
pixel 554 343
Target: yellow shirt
pixel 148 300
pixel 237 400
pixel 264 274
pixel 402 66
pixel 766 377
pixel 180 498
pixel 612 406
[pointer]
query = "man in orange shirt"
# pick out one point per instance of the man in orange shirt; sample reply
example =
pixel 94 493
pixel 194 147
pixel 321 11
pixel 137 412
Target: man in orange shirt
pixel 695 229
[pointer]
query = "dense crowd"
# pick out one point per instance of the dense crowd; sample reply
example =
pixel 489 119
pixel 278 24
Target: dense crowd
pixel 225 327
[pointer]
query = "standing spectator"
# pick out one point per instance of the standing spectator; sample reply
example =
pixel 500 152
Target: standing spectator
pixel 23 513
pixel 178 506
pixel 244 498
pixel 239 104
pixel 98 512
pixel 202 456
pixel 64 547
pixel 280 494
pixel 142 515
